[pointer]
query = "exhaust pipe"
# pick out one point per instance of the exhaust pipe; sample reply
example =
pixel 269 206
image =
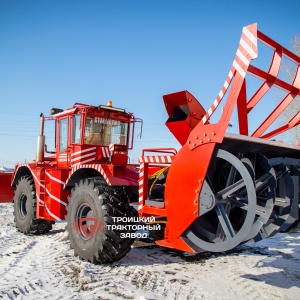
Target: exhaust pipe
pixel 40 149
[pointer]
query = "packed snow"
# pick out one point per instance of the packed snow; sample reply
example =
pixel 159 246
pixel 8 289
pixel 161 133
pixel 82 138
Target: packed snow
pixel 43 267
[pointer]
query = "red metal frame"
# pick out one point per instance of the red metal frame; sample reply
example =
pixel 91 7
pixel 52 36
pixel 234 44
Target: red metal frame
pixel 148 165
pixel 199 137
pixel 6 191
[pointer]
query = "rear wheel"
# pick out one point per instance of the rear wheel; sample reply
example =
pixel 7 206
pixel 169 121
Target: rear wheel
pixel 25 209
pixel 94 232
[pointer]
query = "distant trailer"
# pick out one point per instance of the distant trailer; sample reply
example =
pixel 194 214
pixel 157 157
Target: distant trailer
pixel 6 191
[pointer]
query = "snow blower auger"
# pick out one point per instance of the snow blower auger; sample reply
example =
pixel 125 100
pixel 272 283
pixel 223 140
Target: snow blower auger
pixel 222 189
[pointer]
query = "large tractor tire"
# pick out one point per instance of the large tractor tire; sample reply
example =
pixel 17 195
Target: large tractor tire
pixel 25 209
pixel 91 223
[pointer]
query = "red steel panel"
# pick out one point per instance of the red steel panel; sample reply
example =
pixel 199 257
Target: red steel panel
pixel 6 191
pixel 182 201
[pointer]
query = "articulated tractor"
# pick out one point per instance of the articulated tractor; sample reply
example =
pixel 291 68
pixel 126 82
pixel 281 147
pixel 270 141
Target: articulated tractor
pixel 218 191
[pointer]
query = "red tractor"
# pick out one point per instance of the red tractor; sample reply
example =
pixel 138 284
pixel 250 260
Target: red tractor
pixel 219 191
pixel 87 180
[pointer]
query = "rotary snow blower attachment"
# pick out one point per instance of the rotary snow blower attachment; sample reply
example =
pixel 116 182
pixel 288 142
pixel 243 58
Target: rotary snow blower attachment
pixel 222 189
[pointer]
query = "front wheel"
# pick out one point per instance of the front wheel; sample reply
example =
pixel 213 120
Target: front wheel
pixel 93 230
pixel 25 209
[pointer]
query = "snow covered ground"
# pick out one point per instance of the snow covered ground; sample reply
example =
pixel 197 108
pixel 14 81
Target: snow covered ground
pixel 43 267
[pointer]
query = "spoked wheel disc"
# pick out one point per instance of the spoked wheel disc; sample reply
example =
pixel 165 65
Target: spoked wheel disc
pixel 280 216
pixel 265 185
pixel 295 171
pixel 285 199
pixel 293 165
pixel 228 205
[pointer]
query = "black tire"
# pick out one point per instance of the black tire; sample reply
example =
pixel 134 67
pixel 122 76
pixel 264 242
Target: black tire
pixel 93 239
pixel 25 209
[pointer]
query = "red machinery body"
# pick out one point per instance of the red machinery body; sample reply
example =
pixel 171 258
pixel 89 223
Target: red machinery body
pixel 220 190
pixel 185 200
pixel 6 191
pixel 99 150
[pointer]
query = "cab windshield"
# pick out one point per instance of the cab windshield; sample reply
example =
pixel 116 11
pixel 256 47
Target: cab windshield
pixel 102 131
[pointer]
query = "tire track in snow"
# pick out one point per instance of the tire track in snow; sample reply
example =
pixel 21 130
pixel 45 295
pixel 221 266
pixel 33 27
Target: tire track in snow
pixel 157 274
pixel 34 272
pixel 135 275
pixel 243 272
pixel 11 243
pixel 162 285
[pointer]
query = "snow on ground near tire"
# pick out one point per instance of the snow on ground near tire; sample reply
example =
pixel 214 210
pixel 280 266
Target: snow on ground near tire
pixel 43 267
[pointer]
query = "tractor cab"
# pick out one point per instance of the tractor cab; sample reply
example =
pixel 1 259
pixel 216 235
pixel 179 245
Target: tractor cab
pixel 86 134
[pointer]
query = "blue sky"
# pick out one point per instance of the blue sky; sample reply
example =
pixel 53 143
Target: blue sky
pixel 54 53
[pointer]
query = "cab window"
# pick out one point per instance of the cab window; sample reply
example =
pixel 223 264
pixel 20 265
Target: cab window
pixel 101 131
pixel 63 135
pixel 76 129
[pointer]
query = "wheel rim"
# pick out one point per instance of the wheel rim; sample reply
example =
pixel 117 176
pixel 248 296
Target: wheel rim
pixel 232 215
pixel 265 184
pixel 22 206
pixel 85 221
pixel 280 218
